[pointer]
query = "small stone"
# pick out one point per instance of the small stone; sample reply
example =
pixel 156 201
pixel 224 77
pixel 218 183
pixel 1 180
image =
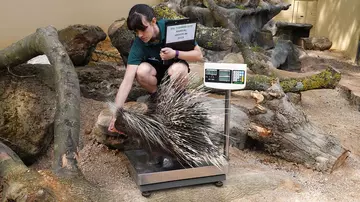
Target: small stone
pixel 88 131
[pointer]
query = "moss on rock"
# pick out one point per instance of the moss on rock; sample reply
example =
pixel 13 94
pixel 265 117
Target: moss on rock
pixel 162 11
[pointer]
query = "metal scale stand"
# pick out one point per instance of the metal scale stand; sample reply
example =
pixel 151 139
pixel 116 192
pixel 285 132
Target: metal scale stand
pixel 151 178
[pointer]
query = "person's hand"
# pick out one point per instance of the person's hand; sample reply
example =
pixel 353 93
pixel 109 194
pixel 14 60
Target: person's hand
pixel 112 128
pixel 111 124
pixel 167 53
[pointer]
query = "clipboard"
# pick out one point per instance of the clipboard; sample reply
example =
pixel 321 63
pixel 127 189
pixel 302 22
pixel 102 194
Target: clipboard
pixel 180 34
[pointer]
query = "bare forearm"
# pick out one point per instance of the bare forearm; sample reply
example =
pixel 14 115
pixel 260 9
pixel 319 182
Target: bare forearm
pixel 122 94
pixel 191 56
pixel 125 86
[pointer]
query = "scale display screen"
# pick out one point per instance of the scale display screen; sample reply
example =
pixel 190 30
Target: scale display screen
pixel 227 76
pixel 218 75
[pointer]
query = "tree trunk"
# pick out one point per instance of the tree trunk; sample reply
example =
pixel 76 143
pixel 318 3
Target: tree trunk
pixel 67 120
pixel 20 183
pixel 328 78
pixel 23 184
pixel 284 131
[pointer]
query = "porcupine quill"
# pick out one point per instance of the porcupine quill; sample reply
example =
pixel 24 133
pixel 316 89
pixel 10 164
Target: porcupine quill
pixel 178 122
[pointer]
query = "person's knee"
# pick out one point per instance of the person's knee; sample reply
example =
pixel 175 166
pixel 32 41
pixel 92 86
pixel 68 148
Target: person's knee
pixel 178 69
pixel 143 71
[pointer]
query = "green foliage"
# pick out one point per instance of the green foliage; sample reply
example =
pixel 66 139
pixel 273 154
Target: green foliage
pixel 163 11
pixel 256 48
pixel 241 7
pixel 325 79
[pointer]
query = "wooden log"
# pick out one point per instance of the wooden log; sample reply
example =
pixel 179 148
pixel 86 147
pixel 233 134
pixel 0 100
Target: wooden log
pixel 284 131
pixel 328 78
pixel 67 118
pixel 20 183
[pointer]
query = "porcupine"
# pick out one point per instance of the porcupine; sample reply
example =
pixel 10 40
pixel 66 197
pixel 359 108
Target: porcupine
pixel 177 122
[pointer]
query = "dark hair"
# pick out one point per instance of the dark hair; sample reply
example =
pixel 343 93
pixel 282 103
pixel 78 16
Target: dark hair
pixel 137 12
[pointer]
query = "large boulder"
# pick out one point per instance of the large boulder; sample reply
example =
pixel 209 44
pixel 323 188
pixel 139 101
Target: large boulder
pixel 214 56
pixel 285 56
pixel 316 43
pixel 116 140
pixel 292 31
pixel 234 58
pixel 80 41
pixel 121 38
pixel 27 110
pixel 264 39
pixel 112 140
pixel 200 3
pixel 28 104
pixel 102 82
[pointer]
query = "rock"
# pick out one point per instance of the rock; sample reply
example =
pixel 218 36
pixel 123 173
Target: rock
pixel 173 5
pixel 251 3
pixel 88 131
pixel 80 41
pixel 316 43
pixel 294 97
pixel 27 110
pixel 247 19
pixel 292 31
pixel 163 11
pixel 285 56
pixel 102 83
pixel 102 135
pixel 214 38
pixel 271 27
pixel 214 56
pixel 201 15
pixel 121 38
pixel 263 39
pixel 112 139
pixel 233 58
pixel 199 3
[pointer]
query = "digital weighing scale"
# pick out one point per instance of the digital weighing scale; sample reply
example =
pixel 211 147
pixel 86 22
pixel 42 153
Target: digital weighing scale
pixel 152 177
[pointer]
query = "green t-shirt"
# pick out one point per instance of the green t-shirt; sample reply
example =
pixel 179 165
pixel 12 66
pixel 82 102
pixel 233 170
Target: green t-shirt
pixel 141 51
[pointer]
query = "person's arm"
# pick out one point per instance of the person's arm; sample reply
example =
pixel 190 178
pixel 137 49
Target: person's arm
pixel 191 56
pixel 125 86
pixel 123 92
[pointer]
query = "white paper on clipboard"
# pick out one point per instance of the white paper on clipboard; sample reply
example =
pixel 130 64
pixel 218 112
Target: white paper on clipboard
pixel 179 33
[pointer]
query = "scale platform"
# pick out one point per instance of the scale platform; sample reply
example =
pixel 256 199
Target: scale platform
pixel 153 177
